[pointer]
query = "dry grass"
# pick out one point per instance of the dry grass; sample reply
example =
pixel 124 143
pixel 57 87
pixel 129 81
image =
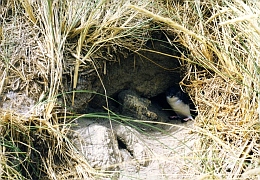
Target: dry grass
pixel 222 37
pixel 227 94
pixel 40 41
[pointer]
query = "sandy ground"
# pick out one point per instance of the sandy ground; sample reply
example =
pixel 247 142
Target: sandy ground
pixel 172 154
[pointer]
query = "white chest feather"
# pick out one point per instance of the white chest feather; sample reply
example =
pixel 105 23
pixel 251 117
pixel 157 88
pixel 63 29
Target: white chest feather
pixel 180 108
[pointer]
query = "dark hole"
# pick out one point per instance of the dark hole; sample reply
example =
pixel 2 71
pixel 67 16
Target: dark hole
pixel 228 170
pixel 121 144
pixel 160 100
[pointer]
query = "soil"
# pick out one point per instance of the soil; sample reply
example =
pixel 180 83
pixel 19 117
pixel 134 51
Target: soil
pixel 147 73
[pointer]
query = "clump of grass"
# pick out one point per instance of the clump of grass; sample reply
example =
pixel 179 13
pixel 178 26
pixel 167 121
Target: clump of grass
pixel 231 96
pixel 39 149
pixel 222 37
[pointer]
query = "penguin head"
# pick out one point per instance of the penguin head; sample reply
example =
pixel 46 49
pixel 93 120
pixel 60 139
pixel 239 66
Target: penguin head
pixel 175 93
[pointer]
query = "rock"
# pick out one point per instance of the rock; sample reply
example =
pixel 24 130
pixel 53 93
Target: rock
pixel 102 151
pixel 135 106
pixel 129 164
pixel 135 144
pixel 98 144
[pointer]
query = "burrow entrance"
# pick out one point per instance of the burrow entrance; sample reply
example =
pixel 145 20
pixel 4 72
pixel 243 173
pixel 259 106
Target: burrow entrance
pixel 147 73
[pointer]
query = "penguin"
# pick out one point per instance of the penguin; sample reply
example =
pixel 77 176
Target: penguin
pixel 179 102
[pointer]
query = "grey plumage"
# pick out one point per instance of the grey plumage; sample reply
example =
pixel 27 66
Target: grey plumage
pixel 179 102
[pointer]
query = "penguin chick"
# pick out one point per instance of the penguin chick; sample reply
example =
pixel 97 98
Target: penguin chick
pixel 179 102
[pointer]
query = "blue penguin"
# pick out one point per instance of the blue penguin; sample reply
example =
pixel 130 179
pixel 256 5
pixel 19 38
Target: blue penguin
pixel 179 102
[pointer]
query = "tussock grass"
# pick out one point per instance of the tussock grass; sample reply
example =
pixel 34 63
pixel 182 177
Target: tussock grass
pixel 222 37
pixel 227 94
pixel 40 41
